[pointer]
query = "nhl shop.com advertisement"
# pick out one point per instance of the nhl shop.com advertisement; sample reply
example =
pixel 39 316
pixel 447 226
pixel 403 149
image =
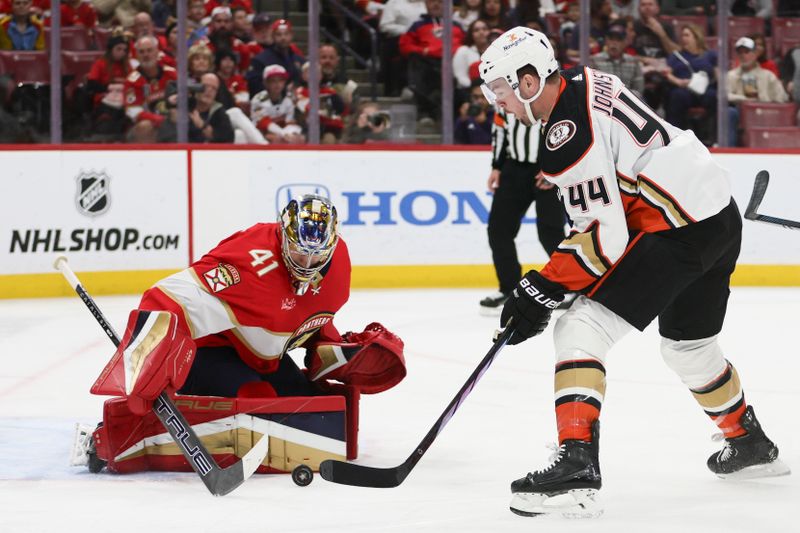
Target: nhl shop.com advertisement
pixel 106 210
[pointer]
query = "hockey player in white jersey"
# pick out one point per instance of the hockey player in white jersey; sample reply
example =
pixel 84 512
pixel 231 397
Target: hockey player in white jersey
pixel 655 233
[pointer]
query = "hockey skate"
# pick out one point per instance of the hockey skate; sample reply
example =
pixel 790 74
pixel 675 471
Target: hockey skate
pixel 750 456
pixel 84 452
pixel 492 305
pixel 568 487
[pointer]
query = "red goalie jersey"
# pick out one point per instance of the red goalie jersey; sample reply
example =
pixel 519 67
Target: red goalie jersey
pixel 240 294
pixel 258 294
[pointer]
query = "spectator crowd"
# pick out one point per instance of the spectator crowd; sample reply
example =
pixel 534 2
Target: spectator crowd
pixel 248 75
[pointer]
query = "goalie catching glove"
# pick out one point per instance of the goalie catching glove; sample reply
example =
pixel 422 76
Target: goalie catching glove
pixel 371 361
pixel 154 354
pixel 530 305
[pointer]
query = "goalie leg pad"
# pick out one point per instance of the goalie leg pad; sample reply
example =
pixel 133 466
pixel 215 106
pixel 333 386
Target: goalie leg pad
pixel 154 354
pixel 372 361
pixel 301 430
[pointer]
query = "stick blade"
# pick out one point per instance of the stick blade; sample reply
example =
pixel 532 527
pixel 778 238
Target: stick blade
pixel 759 189
pixel 224 481
pixel 361 476
pixel 255 457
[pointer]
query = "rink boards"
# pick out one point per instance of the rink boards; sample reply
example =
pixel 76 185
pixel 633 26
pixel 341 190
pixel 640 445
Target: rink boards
pixel 412 217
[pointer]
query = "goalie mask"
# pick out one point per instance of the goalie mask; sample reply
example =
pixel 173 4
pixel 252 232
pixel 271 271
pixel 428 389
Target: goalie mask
pixel 507 54
pixel 309 235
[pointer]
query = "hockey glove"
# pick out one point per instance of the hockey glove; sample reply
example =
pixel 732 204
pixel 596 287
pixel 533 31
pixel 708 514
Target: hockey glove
pixel 372 361
pixel 530 305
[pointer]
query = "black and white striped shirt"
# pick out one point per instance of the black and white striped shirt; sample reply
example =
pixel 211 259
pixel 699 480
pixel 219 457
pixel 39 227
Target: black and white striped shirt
pixel 513 139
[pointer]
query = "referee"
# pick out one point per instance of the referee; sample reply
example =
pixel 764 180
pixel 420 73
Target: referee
pixel 516 183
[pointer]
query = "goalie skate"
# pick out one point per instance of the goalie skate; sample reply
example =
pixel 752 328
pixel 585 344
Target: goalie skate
pixel 567 487
pixel 84 452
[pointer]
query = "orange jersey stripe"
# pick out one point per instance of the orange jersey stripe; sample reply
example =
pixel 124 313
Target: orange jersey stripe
pixel 565 269
pixel 642 216
pixel 579 260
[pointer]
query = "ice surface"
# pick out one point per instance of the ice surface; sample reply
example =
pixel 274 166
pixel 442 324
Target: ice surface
pixel 654 441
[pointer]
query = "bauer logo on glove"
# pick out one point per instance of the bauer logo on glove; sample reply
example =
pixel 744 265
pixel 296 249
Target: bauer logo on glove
pixel 530 305
pixel 534 293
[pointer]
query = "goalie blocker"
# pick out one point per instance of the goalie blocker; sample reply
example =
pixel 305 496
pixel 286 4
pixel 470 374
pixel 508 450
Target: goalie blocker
pixel 301 429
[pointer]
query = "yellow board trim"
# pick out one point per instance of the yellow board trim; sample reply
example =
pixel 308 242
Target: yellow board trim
pixel 96 283
pixel 364 277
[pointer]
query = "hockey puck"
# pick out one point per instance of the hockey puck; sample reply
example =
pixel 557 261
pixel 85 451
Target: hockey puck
pixel 302 475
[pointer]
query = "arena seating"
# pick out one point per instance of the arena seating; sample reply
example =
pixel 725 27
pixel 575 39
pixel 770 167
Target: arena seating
pixel 679 21
pixel 743 26
pixel 72 38
pixel 101 36
pixel 785 28
pixel 773 137
pixel 25 67
pixel 760 115
pixel 76 65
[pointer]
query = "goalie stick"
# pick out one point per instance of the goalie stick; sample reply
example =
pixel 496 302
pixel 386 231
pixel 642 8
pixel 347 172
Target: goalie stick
pixel 219 481
pixel 759 189
pixel 367 476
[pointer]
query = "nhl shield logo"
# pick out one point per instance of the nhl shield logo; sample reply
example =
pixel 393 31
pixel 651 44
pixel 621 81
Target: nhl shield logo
pixel 93 197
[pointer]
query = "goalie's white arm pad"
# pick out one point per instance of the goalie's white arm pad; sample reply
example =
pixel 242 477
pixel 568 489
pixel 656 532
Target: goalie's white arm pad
pixel 205 313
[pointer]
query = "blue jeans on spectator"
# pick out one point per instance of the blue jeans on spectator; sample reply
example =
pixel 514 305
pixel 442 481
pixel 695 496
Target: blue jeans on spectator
pixel 680 100
pixel 733 125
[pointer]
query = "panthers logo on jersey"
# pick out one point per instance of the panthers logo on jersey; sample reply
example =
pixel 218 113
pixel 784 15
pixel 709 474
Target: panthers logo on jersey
pixel 308 328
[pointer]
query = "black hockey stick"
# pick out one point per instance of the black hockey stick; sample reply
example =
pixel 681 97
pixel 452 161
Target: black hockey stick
pixel 367 476
pixel 219 481
pixel 759 189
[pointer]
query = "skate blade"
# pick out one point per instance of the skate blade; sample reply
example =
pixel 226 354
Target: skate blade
pixel 774 469
pixel 578 503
